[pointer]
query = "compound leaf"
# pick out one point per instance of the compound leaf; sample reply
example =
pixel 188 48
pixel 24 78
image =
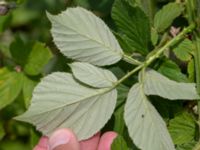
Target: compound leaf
pixel 146 127
pixel 59 101
pixel 93 76
pixel 157 84
pixel 82 36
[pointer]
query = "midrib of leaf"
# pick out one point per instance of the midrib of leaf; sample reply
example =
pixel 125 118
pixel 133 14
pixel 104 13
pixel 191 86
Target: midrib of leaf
pixel 106 90
pixel 86 36
pixel 148 110
pixel 71 115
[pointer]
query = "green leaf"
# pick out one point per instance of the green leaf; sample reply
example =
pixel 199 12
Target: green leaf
pixel 122 94
pixel 4 22
pixel 19 51
pixel 83 3
pixel 119 124
pixel 119 144
pixel 190 70
pixel 132 22
pixel 34 138
pixel 184 50
pixel 10 86
pixel 165 16
pixel 124 43
pixel 187 146
pixel 37 59
pixel 182 128
pixel 93 76
pixel 157 84
pixel 61 102
pixel 82 36
pixel 28 87
pixel 146 127
pixel 154 36
pixel 148 6
pixel 171 70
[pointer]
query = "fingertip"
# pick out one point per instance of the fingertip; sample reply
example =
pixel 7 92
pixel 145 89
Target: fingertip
pixel 63 139
pixel 91 143
pixel 106 140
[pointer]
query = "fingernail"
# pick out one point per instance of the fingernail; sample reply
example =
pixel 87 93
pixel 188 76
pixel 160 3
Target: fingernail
pixel 57 139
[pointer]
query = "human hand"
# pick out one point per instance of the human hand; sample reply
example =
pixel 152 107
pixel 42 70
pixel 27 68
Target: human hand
pixel 64 139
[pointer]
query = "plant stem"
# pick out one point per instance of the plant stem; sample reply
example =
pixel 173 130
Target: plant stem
pixel 130 60
pixel 157 54
pixel 197 70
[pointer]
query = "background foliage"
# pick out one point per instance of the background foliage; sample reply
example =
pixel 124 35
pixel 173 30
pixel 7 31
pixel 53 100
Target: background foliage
pixel 27 53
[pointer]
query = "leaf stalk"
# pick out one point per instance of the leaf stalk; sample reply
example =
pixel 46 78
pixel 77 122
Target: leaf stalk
pixel 157 54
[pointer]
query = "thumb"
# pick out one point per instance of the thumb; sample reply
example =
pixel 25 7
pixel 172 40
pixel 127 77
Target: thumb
pixel 63 139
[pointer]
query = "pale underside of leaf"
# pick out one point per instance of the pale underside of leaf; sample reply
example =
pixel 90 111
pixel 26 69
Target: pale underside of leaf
pixel 157 84
pixel 93 76
pixel 82 36
pixel 145 125
pixel 61 102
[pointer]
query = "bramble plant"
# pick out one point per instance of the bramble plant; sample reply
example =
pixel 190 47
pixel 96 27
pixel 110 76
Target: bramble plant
pixel 152 48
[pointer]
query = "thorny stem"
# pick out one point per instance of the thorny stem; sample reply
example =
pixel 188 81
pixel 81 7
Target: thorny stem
pixel 157 54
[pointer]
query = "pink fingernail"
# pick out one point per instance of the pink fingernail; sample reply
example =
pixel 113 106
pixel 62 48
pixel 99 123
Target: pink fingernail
pixel 57 139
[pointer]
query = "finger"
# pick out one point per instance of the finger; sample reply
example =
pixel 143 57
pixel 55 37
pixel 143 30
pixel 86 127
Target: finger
pixel 91 143
pixel 106 140
pixel 42 144
pixel 63 139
